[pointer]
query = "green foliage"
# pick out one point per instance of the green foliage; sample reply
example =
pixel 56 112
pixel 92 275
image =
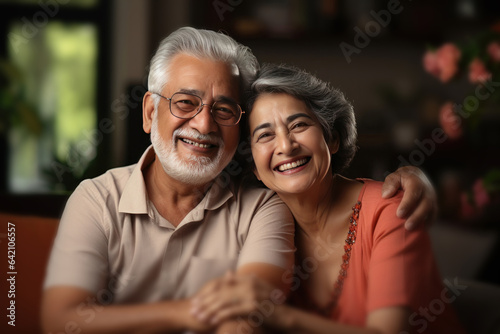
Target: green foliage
pixel 14 109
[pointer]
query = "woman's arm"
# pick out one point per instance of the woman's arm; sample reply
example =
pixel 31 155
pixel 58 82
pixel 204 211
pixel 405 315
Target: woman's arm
pixel 389 320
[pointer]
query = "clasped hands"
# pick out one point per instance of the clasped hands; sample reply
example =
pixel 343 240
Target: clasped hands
pixel 233 296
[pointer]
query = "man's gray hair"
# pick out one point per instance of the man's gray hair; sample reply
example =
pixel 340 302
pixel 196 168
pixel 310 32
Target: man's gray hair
pixel 334 113
pixel 201 44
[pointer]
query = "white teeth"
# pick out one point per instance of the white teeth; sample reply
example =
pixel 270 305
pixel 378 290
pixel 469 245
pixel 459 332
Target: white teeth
pixel 294 164
pixel 195 143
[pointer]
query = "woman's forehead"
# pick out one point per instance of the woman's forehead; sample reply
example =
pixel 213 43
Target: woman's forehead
pixel 272 105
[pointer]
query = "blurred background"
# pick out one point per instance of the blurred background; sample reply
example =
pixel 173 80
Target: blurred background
pixel 423 76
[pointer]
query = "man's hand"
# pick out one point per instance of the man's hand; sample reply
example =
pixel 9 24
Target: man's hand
pixel 419 203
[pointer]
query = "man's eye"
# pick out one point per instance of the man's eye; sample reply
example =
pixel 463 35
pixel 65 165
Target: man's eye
pixel 225 112
pixel 185 102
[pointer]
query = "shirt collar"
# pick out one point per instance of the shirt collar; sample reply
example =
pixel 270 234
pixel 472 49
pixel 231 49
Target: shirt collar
pixel 221 190
pixel 135 200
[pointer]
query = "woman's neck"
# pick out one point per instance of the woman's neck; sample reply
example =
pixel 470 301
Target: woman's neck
pixel 325 209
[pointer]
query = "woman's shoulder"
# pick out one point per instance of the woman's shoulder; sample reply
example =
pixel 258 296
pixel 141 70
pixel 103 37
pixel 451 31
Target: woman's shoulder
pixel 375 209
pixel 371 194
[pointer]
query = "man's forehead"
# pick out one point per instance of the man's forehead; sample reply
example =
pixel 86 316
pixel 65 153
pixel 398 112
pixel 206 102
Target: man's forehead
pixel 202 76
pixel 200 93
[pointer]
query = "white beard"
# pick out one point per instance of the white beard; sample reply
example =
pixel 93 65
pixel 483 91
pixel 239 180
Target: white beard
pixel 197 170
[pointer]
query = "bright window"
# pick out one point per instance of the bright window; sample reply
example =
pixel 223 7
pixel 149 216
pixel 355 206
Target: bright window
pixel 58 74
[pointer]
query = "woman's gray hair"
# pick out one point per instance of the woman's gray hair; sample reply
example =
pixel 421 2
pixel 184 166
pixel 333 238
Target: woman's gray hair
pixel 201 44
pixel 334 113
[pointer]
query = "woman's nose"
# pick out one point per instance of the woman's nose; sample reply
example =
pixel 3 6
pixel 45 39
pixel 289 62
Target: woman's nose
pixel 286 144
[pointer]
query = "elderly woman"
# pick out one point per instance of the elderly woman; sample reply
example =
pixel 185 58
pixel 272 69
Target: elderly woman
pixel 357 269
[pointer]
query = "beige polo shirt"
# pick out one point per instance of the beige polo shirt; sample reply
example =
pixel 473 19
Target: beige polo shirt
pixel 112 242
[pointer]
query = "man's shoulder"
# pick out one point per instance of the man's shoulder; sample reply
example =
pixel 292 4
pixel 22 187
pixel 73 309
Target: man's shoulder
pixel 118 174
pixel 252 201
pixel 254 193
pixel 113 181
pixel 99 198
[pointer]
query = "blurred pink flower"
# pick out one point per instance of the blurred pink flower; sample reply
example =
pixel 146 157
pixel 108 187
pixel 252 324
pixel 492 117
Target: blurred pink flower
pixel 481 196
pixel 442 63
pixel 450 121
pixel 467 209
pixel 494 51
pixel 478 72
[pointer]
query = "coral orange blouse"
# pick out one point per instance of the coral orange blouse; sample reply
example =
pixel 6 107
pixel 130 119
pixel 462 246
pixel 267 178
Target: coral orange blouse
pixel 390 266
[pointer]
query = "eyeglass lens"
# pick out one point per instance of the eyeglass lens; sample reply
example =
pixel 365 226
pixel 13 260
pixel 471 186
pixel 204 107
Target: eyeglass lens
pixel 185 105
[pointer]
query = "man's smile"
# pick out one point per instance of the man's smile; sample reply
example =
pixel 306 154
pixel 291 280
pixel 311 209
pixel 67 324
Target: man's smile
pixel 197 144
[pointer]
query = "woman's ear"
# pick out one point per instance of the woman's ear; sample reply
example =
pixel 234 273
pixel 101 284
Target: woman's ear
pixel 334 143
pixel 256 173
pixel 148 109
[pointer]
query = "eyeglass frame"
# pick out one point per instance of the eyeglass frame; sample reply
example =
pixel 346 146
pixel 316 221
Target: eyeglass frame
pixel 200 108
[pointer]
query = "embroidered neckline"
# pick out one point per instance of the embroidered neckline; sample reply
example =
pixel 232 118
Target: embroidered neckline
pixel 339 283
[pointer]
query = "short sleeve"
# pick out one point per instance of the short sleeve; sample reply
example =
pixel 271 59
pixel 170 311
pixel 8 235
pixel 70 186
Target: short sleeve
pixel 270 237
pixel 79 254
pixel 402 270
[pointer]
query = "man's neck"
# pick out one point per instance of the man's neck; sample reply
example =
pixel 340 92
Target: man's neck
pixel 172 198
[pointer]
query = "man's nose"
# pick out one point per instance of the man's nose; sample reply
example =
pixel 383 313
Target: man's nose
pixel 204 121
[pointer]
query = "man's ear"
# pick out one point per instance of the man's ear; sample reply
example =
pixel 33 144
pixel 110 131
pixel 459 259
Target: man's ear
pixel 148 109
pixel 334 143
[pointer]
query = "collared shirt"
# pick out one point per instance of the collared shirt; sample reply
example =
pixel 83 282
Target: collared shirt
pixel 112 242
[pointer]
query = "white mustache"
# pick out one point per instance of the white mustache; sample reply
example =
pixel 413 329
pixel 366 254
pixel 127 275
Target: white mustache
pixel 191 133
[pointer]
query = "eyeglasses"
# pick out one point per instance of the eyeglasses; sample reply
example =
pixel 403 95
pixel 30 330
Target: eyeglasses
pixel 187 106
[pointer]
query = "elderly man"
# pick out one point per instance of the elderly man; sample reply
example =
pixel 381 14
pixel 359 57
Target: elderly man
pixel 136 242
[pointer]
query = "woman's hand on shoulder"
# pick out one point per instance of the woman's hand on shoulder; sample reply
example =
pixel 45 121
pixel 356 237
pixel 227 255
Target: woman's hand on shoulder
pixel 419 203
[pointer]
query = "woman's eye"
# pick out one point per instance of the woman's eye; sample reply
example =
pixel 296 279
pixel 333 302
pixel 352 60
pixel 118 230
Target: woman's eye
pixel 264 136
pixel 299 125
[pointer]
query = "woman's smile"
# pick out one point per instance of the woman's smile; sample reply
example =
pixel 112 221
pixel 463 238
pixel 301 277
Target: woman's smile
pixel 292 165
pixel 288 145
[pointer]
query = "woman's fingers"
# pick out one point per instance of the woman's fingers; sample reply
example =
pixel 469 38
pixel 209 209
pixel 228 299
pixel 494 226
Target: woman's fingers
pixel 222 304
pixel 204 309
pixel 235 296
pixel 214 285
pixel 210 287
